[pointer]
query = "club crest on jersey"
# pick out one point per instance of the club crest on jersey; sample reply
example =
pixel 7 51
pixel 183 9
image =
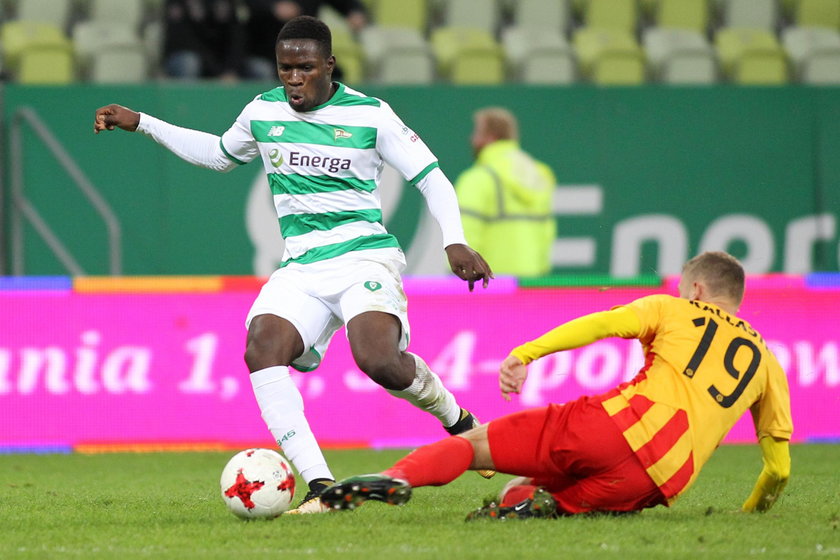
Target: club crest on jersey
pixel 372 285
pixel 275 157
pixel 276 131
pixel 339 133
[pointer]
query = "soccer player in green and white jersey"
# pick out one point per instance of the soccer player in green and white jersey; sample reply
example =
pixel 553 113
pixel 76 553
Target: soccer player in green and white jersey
pixel 323 146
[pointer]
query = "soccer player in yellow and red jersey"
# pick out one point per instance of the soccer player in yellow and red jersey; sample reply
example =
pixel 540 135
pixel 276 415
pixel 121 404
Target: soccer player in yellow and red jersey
pixel 639 445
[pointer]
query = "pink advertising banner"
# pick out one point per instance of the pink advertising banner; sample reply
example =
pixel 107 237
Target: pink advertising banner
pixel 112 368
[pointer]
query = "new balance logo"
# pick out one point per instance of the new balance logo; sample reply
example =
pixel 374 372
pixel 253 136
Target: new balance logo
pixel 341 134
pixel 276 131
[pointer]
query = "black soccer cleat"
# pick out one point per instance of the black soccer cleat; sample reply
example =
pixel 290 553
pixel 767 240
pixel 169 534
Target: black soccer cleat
pixel 466 422
pixel 354 491
pixel 541 504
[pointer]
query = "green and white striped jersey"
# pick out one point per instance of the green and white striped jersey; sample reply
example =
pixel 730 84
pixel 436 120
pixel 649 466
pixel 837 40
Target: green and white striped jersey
pixel 324 168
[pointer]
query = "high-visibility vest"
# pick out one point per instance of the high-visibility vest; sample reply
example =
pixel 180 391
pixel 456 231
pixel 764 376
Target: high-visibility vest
pixel 506 209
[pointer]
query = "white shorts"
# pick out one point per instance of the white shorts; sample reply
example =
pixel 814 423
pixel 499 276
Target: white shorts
pixel 320 297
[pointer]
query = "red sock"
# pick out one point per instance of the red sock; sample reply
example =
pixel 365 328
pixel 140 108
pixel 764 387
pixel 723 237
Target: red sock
pixel 436 464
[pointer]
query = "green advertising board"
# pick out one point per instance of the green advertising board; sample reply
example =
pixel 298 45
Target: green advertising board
pixel 648 176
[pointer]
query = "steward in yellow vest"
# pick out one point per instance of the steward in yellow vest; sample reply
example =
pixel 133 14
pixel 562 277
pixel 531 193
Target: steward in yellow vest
pixel 506 199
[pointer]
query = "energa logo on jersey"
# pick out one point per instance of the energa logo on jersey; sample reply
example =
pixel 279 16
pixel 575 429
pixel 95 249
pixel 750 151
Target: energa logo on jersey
pixel 275 157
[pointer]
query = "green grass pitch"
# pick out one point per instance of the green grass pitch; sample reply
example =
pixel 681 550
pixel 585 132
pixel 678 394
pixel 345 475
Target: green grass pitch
pixel 167 505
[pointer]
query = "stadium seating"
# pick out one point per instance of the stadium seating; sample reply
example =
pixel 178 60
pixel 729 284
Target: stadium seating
pixel 680 56
pixel 402 13
pixel 751 14
pixel 388 49
pixel 152 37
pixel 94 36
pixel 46 64
pixel 534 14
pixel 681 14
pixel 478 66
pixel 609 56
pixel 119 64
pixel 408 67
pixel 611 14
pixel 814 53
pixel 751 56
pixel 519 42
pixel 333 19
pixel 448 43
pixel 528 41
pixel 817 13
pixel 539 55
pixel 480 14
pixel 55 12
pixel 17 36
pixel 549 67
pixel 349 56
pixel 122 12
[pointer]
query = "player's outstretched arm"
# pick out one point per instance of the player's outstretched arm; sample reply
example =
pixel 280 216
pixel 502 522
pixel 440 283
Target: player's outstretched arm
pixel 773 477
pixel 114 116
pixel 468 265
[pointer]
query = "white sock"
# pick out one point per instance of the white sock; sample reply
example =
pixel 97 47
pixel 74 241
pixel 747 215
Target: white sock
pixel 427 393
pixel 281 405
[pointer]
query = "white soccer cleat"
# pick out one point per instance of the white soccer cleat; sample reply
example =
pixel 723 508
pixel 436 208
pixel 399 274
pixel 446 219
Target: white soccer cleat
pixel 311 503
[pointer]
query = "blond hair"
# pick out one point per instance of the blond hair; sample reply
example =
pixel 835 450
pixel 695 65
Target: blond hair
pixel 722 274
pixel 498 122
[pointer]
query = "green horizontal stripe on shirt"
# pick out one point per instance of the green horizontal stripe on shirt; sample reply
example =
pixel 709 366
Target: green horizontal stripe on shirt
pixel 276 94
pixel 296 132
pixel 379 241
pixel 299 224
pixel 351 100
pixel 426 170
pixel 313 184
pixel 228 154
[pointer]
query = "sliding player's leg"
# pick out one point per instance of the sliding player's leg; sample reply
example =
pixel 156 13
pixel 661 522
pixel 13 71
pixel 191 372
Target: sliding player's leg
pixel 432 465
pixel 594 468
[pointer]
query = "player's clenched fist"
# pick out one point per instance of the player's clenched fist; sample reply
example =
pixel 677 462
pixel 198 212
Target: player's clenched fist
pixel 115 116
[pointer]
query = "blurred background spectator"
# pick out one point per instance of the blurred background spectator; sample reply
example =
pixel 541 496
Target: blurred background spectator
pixel 506 198
pixel 203 39
pixel 266 17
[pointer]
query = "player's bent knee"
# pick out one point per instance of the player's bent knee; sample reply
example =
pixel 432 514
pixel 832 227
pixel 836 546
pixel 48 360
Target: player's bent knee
pixel 260 354
pixel 386 372
pixel 272 341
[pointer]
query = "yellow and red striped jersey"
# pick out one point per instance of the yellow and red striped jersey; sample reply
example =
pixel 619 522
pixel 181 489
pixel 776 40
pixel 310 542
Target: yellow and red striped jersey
pixel 703 369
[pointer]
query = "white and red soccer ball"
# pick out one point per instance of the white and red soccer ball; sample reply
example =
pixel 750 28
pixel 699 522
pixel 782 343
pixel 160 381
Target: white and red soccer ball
pixel 257 483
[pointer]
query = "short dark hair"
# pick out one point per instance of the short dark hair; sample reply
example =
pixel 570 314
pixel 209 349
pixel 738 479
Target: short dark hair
pixel 307 27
